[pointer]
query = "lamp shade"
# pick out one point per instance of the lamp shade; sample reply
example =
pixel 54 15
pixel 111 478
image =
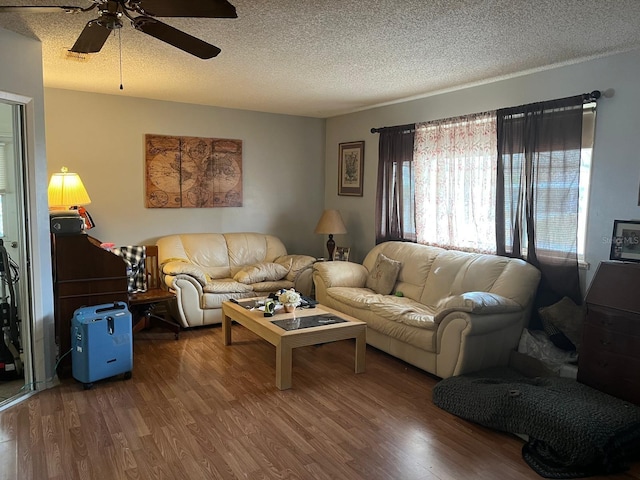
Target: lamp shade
pixel 331 223
pixel 66 190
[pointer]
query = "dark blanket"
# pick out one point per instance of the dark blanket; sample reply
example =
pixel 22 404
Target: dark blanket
pixel 574 431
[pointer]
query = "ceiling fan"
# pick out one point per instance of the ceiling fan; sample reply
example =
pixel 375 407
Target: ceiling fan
pixel 141 13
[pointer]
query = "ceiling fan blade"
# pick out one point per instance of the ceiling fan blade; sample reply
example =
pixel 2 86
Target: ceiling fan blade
pixel 187 8
pixel 42 9
pixel 175 37
pixel 91 39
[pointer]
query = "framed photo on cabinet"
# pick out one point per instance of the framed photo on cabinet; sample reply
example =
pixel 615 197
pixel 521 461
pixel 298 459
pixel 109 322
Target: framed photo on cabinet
pixel 350 168
pixel 625 241
pixel 341 254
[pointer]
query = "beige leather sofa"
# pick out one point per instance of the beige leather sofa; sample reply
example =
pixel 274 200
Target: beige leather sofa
pixel 459 312
pixel 205 269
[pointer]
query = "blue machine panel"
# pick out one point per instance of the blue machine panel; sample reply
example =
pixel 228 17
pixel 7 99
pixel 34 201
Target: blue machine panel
pixel 101 341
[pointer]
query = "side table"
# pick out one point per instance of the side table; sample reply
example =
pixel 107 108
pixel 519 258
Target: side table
pixel 143 305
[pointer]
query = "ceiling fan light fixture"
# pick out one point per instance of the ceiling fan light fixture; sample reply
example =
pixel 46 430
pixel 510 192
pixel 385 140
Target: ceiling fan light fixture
pixel 110 13
pixel 109 20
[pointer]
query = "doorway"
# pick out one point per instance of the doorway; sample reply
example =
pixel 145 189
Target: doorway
pixel 16 375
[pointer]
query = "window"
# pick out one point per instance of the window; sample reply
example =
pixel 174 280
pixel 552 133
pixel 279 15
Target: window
pixel 557 189
pixel 538 191
pixel 448 185
pixel 455 163
pixel 558 170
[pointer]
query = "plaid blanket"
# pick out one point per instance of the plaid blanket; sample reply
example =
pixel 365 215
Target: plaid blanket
pixel 134 257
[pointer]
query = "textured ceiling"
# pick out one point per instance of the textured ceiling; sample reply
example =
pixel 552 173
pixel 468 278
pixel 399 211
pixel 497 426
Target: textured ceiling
pixel 321 58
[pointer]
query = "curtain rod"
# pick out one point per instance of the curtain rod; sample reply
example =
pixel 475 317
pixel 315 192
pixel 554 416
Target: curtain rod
pixel 409 127
pixel 591 97
pixel 586 98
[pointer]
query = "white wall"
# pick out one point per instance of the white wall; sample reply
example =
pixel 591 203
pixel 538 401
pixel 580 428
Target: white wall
pixel 101 137
pixel 616 165
pixel 21 82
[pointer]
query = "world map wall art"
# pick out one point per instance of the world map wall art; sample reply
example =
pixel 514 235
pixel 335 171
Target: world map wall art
pixel 192 172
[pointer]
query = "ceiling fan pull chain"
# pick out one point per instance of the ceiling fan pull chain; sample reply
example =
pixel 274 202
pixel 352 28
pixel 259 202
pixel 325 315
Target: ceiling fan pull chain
pixel 120 48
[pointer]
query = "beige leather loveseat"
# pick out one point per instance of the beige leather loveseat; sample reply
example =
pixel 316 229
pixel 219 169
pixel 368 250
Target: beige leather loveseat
pixel 458 312
pixel 205 269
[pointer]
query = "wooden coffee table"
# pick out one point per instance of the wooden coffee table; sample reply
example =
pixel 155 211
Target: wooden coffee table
pixel 286 340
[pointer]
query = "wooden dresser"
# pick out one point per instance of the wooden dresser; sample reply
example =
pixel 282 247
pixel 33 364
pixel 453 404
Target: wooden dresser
pixel 83 274
pixel 610 353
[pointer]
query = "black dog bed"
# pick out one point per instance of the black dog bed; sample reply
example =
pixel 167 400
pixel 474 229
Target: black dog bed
pixel 574 431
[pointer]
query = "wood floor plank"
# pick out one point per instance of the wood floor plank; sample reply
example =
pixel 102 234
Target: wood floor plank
pixel 150 461
pixel 9 467
pixel 195 409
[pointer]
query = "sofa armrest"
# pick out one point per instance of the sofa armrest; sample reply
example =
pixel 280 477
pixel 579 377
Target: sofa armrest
pixel 296 264
pixel 481 324
pixel 189 296
pixel 467 342
pixel 178 267
pixel 341 274
pixel 304 282
pixel 480 303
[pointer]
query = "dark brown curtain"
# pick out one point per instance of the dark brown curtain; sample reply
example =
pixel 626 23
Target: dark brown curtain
pixel 537 191
pixel 395 212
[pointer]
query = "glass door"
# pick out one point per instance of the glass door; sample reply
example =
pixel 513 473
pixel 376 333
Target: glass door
pixel 15 291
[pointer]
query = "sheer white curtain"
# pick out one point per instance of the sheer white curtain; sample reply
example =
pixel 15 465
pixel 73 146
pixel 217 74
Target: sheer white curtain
pixel 455 174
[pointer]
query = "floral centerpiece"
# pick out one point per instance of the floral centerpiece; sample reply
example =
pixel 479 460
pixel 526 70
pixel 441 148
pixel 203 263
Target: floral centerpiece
pixel 289 298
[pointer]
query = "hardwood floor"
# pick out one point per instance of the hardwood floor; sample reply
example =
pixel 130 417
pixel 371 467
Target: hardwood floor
pixel 197 410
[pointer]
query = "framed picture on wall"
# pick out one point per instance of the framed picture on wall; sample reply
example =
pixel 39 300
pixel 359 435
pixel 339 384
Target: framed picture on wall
pixel 341 254
pixel 350 168
pixel 625 241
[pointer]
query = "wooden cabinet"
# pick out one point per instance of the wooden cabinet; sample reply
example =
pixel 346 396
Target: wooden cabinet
pixel 83 274
pixel 610 353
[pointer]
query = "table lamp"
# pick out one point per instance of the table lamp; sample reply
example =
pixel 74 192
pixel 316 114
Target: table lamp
pixel 66 191
pixel 331 223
